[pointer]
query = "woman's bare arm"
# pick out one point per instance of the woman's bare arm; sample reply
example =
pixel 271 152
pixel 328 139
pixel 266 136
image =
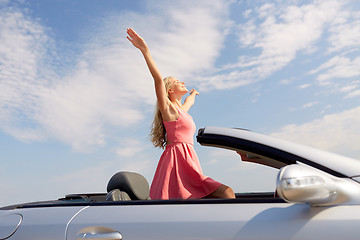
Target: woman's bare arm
pixel 190 100
pixel 160 90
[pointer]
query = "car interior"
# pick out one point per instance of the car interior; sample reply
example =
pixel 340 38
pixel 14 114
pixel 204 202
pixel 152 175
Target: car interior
pixel 133 188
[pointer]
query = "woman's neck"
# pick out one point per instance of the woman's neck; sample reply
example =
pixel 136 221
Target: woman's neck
pixel 176 100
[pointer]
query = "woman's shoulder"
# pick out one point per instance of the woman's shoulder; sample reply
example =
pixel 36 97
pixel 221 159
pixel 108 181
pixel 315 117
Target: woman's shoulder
pixel 172 113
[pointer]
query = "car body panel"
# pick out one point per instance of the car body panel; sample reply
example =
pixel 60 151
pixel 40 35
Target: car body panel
pixel 194 221
pixel 10 222
pixel 222 221
pixel 43 223
pixel 357 179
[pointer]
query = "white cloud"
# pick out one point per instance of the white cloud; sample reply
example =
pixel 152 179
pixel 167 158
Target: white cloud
pixel 337 67
pixel 21 54
pixel 338 132
pixel 309 105
pixel 344 65
pixel 145 167
pixel 353 94
pixel 191 39
pixel 278 32
pixel 247 13
pixel 109 86
pixel 94 178
pixel 352 90
pixel 88 179
pixel 303 86
pixel 36 103
pixel 349 88
pixel 345 34
pixel 80 107
pixel 130 147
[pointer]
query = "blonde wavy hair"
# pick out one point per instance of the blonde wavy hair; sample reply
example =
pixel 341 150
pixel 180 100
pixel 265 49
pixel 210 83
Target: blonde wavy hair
pixel 158 132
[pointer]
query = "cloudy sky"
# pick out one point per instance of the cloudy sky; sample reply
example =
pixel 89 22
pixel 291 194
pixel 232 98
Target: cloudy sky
pixel 77 101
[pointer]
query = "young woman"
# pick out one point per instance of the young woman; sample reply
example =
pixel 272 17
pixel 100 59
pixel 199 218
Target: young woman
pixel 178 174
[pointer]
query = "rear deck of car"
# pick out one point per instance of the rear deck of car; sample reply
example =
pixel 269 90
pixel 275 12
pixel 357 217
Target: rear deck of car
pixel 99 199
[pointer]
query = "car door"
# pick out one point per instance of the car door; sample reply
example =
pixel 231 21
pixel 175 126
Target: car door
pixel 211 220
pixel 41 222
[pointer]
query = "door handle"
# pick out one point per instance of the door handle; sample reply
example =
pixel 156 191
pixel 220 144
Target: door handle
pixel 99 233
pixel 101 236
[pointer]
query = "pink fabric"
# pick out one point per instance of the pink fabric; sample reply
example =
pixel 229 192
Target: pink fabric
pixel 179 174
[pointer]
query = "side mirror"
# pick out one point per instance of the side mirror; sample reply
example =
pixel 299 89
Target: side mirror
pixel 303 184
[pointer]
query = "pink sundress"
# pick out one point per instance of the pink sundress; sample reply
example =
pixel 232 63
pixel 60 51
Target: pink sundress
pixel 178 174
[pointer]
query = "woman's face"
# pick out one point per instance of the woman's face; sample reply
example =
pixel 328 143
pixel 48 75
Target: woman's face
pixel 177 86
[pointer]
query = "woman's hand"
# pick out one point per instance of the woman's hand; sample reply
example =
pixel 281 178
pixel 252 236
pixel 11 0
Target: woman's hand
pixel 136 40
pixel 193 91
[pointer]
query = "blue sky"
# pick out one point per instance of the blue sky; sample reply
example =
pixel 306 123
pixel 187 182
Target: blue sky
pixel 77 101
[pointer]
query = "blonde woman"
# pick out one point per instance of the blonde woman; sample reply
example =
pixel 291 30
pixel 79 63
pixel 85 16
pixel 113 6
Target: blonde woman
pixel 178 174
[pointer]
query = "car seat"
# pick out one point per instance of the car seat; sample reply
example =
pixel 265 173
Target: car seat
pixel 125 186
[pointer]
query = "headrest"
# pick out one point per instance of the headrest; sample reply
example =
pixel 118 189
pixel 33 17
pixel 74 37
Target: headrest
pixel 117 195
pixel 134 184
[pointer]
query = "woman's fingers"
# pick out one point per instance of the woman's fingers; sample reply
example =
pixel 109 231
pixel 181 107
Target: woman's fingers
pixel 135 39
pixel 132 33
pixel 193 91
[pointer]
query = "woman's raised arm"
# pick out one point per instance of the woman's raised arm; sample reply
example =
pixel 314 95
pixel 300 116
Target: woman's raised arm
pixel 190 100
pixel 160 90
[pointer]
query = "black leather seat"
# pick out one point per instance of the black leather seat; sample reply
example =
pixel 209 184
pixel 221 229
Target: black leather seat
pixel 125 186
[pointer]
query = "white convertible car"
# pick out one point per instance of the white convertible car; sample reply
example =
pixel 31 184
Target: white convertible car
pixel 317 196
